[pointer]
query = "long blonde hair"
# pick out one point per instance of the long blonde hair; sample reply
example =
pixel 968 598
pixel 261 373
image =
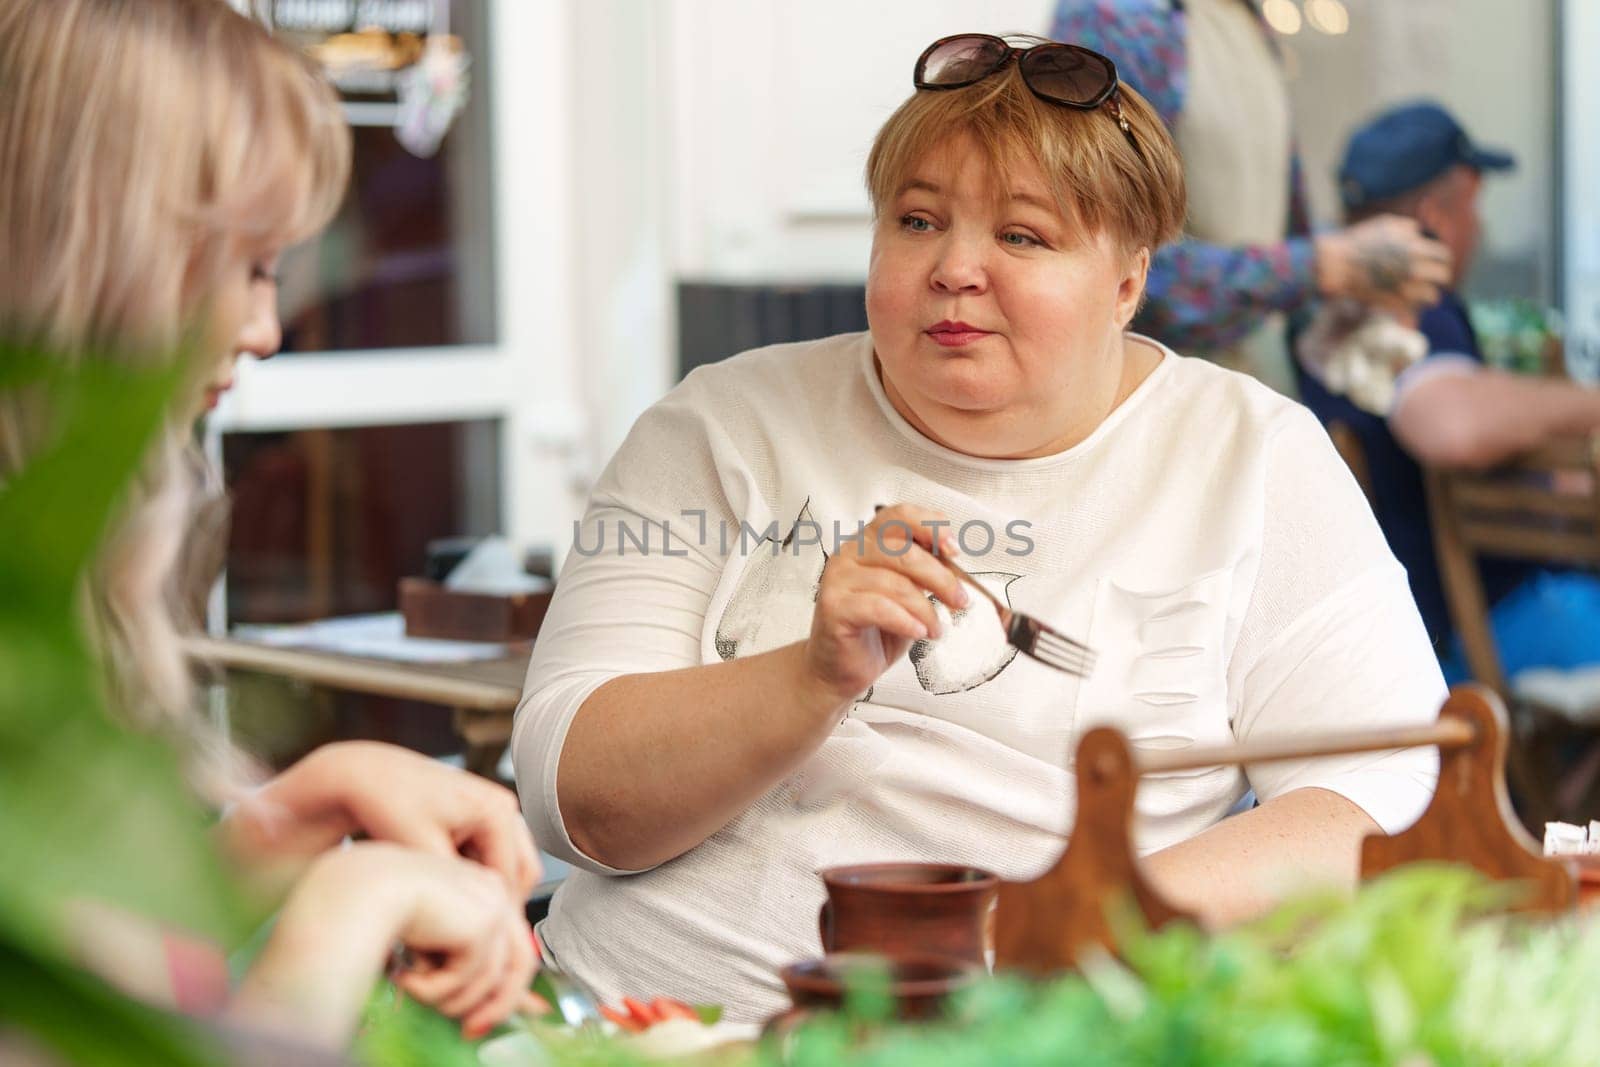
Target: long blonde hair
pixel 146 146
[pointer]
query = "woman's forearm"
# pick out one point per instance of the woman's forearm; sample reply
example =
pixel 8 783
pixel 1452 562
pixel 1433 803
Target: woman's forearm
pixel 327 949
pixel 1244 866
pixel 654 764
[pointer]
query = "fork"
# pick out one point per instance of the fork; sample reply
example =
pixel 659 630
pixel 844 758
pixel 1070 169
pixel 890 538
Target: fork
pixel 1027 634
pixel 575 1002
pixel 1030 636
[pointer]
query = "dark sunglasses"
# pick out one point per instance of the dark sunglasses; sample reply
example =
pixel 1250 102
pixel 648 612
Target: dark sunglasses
pixel 1063 74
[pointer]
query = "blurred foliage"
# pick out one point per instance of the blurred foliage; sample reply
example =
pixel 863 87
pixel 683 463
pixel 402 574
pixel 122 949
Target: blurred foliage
pixel 1415 970
pixel 1421 968
pixel 1515 335
pixel 88 809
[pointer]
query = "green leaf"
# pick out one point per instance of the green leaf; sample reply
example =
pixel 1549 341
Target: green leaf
pixel 88 808
pixel 85 1021
pixel 399 1032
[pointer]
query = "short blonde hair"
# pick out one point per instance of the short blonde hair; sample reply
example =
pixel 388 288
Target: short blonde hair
pixel 1099 181
pixel 146 147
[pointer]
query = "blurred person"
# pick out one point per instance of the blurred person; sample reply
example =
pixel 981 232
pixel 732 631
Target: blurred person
pixel 155 158
pixel 782 678
pixel 1424 397
pixel 1248 257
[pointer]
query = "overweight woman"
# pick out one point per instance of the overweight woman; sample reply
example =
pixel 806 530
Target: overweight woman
pixel 750 673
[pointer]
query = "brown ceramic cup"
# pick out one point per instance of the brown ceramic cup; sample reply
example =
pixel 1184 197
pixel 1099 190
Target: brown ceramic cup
pixel 1588 882
pixel 908 908
pixel 919 982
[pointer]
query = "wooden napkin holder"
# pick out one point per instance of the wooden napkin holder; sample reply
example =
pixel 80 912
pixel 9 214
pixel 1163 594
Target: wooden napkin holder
pixel 432 610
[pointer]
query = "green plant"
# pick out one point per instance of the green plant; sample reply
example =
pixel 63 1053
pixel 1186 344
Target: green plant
pixel 88 809
pixel 1513 334
pixel 1419 969
pixel 1414 971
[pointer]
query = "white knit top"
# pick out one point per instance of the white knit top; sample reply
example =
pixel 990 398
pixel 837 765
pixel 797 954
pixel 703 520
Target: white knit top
pixel 1205 540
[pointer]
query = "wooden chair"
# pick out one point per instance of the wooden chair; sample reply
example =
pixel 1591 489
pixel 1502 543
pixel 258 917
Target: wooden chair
pixel 1517 511
pixel 1348 445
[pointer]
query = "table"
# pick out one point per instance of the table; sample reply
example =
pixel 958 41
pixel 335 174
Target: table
pixel 482 695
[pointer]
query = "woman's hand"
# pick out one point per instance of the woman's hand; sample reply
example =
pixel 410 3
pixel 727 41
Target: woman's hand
pixel 389 794
pixel 472 947
pixel 473 951
pixel 873 600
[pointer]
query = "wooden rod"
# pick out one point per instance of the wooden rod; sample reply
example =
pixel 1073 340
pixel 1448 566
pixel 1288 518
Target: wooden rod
pixel 340 672
pixel 1447 733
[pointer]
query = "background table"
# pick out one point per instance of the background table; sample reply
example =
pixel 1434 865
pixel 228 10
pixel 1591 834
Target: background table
pixel 482 695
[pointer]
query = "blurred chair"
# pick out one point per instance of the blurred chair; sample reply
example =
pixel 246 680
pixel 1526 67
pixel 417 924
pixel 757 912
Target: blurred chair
pixel 1545 508
pixel 1348 444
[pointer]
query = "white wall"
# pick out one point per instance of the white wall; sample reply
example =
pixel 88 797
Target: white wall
pixel 775 105
pixel 621 216
pixel 1582 170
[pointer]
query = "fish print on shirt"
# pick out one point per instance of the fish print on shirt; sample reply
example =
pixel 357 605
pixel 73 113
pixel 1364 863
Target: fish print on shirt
pixel 974 649
pixel 776 596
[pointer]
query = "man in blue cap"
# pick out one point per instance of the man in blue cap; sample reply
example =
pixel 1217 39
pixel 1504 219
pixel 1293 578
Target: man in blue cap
pixel 1435 403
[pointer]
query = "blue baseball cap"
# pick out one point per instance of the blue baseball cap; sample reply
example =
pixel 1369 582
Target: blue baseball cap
pixel 1405 147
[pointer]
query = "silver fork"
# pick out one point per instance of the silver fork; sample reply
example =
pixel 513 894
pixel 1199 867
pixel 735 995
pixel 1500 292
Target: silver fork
pixel 1027 634
pixel 575 1002
pixel 1030 636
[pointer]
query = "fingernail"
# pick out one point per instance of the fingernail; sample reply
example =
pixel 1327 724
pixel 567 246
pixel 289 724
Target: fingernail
pixel 963 598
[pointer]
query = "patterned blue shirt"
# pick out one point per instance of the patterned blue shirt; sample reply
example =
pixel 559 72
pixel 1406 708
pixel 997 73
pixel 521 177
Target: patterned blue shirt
pixel 1200 295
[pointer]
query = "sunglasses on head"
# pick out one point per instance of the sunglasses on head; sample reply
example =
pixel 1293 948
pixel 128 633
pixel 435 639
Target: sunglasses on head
pixel 1063 74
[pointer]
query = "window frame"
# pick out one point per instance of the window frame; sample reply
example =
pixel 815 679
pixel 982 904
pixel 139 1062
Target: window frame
pixel 527 378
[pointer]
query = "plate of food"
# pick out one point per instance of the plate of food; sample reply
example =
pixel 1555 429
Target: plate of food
pixel 658 1028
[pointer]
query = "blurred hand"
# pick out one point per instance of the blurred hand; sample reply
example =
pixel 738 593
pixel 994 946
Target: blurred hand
pixel 389 794
pixel 1383 261
pixel 873 599
pixel 472 951
pixel 470 948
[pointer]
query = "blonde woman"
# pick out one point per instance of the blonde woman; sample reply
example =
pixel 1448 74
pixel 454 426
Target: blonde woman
pixel 154 159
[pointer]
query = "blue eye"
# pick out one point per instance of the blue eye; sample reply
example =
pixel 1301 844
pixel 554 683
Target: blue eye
pixel 915 223
pixel 1020 240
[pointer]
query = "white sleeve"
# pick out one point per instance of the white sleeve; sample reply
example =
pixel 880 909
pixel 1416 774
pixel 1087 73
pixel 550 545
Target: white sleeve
pixel 631 598
pixel 1444 364
pixel 1332 639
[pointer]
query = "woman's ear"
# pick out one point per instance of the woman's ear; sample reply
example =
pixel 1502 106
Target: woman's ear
pixel 1130 287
